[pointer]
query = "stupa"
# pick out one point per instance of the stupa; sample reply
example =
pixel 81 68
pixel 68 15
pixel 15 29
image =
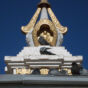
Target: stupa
pixel 44 51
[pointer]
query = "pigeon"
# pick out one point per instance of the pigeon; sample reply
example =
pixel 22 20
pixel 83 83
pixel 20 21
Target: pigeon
pixel 75 69
pixel 63 72
pixel 36 72
pixel 54 72
pixel 42 41
pixel 44 51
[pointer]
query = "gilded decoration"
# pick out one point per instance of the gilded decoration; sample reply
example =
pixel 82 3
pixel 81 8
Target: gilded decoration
pixel 45 33
pixel 62 29
pixel 23 71
pixel 26 29
pixel 44 71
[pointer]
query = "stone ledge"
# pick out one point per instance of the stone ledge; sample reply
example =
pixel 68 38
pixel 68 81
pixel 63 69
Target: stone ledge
pixel 41 79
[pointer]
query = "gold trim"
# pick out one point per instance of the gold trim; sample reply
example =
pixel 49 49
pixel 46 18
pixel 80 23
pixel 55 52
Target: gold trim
pixel 62 29
pixel 26 29
pixel 37 28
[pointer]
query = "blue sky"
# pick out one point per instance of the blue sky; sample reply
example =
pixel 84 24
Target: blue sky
pixel 15 13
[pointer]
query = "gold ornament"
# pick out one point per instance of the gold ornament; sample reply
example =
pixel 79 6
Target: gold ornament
pixel 57 24
pixel 44 71
pixel 26 29
pixel 45 32
pixel 23 71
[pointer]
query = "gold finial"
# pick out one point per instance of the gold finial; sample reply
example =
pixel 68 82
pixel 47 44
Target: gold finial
pixel 44 3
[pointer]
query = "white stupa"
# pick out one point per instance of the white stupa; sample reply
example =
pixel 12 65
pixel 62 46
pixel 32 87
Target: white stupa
pixel 30 57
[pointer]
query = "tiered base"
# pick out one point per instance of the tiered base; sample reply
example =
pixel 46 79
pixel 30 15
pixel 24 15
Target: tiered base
pixel 30 58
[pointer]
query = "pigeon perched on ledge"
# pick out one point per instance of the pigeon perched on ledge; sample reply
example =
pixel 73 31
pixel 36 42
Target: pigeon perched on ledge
pixel 42 41
pixel 55 72
pixel 75 69
pixel 36 71
pixel 44 51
